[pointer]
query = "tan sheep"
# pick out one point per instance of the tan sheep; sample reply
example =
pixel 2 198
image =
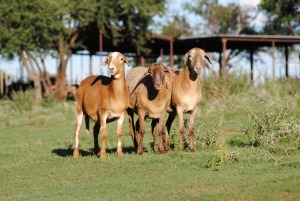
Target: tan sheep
pixel 103 99
pixel 186 93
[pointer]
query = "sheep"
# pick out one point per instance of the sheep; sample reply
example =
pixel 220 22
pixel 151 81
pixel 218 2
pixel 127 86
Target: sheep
pixel 103 99
pixel 149 96
pixel 186 94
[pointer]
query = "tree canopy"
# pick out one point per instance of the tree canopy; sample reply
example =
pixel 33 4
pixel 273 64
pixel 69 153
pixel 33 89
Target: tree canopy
pixel 41 25
pixel 283 16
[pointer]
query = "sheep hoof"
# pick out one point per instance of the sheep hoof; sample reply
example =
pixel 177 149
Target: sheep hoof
pixel 156 150
pixel 140 151
pixel 120 154
pixel 102 155
pixel 192 149
pixel 76 153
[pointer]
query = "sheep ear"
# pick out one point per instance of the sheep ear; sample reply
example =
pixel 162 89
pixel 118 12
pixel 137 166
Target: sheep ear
pixel 186 57
pixel 169 71
pixel 206 56
pixel 126 61
pixel 105 63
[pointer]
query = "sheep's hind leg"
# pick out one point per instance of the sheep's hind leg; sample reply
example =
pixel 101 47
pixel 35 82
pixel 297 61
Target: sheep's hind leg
pixel 102 152
pixel 169 122
pixel 119 134
pixel 96 131
pixel 77 134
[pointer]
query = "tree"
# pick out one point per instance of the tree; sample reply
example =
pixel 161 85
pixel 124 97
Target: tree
pixel 24 33
pixel 34 28
pixel 283 16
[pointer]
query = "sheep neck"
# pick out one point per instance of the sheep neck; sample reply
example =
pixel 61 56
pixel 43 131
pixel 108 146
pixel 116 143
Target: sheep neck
pixel 118 87
pixel 192 76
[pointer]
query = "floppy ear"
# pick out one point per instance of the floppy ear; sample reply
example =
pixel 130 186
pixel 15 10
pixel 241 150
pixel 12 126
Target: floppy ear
pixel 126 61
pixel 167 70
pixel 105 63
pixel 206 56
pixel 186 57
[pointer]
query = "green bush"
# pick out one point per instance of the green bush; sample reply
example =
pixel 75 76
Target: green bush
pixel 23 101
pixel 215 87
pixel 272 127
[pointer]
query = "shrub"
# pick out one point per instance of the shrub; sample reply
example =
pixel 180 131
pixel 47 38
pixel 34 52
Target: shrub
pixel 208 137
pixel 215 87
pixel 23 100
pixel 272 127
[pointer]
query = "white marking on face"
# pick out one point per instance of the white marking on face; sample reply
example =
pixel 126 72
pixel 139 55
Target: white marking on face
pixel 114 55
pixel 119 143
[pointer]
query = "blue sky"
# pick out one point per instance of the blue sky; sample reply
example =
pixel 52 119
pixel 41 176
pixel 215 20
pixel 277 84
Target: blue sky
pixel 81 63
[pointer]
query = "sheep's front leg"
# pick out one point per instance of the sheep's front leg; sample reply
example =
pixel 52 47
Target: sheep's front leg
pixel 181 127
pixel 79 117
pixel 161 132
pixel 192 129
pixel 119 134
pixel 141 132
pixel 154 134
pixel 102 152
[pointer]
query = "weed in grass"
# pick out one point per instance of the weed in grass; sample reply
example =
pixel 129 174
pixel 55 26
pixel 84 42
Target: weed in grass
pixel 208 137
pixel 272 127
pixel 23 101
pixel 223 155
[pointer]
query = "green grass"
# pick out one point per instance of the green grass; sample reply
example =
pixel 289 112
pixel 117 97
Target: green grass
pixel 36 160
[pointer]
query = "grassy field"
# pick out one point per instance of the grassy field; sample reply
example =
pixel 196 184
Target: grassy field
pixel 233 160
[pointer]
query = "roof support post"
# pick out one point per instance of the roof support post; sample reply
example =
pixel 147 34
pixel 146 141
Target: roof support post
pixel 161 55
pixel 251 64
pixel 171 53
pixel 91 64
pixel 223 67
pixel 273 58
pixel 100 48
pixel 286 61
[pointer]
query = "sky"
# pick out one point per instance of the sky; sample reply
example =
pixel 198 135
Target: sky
pixel 80 64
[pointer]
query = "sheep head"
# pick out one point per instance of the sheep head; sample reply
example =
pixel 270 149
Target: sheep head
pixel 195 59
pixel 115 62
pixel 157 72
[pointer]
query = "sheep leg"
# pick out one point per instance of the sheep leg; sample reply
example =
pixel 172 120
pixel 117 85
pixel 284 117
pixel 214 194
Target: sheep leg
pixel 102 152
pixel 87 124
pixel 96 134
pixel 154 134
pixel 161 133
pixel 130 113
pixel 141 133
pixel 119 134
pixel 169 122
pixel 79 116
pixel 181 128
pixel 191 129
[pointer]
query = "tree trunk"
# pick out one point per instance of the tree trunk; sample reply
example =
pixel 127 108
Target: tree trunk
pixel 34 76
pixel 65 54
pixel 61 81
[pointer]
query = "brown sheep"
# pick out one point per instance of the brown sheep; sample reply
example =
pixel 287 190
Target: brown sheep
pixel 186 93
pixel 150 96
pixel 103 99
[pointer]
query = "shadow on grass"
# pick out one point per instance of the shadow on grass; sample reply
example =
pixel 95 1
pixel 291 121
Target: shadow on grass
pixel 66 152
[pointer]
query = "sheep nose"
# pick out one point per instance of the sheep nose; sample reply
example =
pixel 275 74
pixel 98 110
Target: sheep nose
pixel 157 84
